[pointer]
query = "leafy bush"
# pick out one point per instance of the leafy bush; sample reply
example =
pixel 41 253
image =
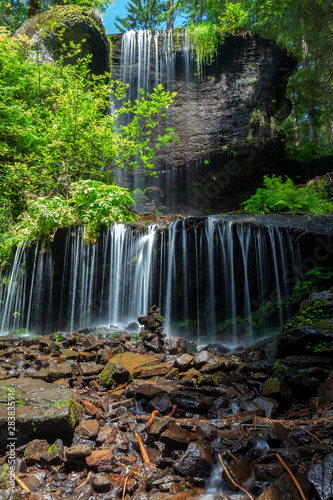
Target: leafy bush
pixel 204 39
pixel 279 196
pixel 59 144
pixel 315 280
pixel 91 203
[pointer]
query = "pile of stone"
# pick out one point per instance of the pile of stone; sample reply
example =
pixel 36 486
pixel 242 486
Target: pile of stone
pixel 104 415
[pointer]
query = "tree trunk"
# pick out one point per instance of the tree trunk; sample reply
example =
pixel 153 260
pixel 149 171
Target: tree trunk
pixel 313 132
pixel 33 8
pixel 170 16
pixel 295 125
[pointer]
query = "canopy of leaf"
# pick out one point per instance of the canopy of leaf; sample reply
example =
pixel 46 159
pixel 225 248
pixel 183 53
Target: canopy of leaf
pixel 14 12
pixel 55 128
pixel 140 14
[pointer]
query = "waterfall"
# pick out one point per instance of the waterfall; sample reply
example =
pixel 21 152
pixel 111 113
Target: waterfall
pixel 210 277
pixel 149 58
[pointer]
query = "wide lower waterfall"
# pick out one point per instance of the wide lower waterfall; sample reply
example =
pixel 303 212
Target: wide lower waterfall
pixel 208 276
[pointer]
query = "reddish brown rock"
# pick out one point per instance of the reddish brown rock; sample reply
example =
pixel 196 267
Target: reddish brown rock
pixel 88 428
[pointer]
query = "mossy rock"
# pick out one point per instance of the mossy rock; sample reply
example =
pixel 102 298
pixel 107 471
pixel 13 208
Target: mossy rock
pixel 114 375
pixel 310 330
pixel 65 25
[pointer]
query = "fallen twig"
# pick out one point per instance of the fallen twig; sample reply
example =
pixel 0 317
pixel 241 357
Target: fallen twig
pixel 172 411
pixel 124 489
pixel 145 457
pixel 234 482
pixel 292 477
pixel 152 418
pixel 86 481
pixel 21 483
pixel 231 455
pixel 112 390
pixel 319 440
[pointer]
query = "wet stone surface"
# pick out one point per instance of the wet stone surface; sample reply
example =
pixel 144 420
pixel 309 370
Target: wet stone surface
pixel 156 426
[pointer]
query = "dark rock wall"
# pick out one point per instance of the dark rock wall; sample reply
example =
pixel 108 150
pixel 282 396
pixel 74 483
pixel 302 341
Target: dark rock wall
pixel 226 118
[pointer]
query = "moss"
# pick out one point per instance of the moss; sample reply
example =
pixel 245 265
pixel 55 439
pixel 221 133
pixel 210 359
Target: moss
pixel 52 449
pixel 64 25
pixel 216 379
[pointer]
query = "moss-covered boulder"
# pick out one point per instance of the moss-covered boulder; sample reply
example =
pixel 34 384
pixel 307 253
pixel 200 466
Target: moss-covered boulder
pixel 114 375
pixel 39 408
pixel 310 330
pixel 67 25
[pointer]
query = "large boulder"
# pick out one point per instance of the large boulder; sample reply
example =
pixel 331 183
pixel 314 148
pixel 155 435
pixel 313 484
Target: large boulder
pixel 67 25
pixel 310 330
pixel 40 408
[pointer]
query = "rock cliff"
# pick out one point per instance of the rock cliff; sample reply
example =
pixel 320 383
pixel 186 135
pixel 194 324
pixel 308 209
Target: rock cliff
pixel 227 119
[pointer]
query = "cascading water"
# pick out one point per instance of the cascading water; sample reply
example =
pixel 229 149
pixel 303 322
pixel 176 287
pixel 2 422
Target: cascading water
pixel 149 58
pixel 208 276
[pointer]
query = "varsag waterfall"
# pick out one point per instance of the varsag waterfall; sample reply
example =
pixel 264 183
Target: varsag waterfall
pixel 208 275
pixel 212 277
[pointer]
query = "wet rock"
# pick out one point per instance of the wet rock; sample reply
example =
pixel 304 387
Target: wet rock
pixel 240 470
pixel 8 495
pixel 326 389
pixel 216 349
pixel 158 426
pixel 153 344
pixel 33 482
pixel 42 494
pixel 44 406
pixel 113 375
pixel 267 405
pixel 196 461
pixel 35 450
pixel 161 403
pixel 268 472
pixel 84 493
pixel 282 489
pixel 321 476
pixel 205 432
pixel 88 428
pixel 277 389
pixel 176 437
pixel 78 451
pixel 183 362
pixel 132 360
pixel 317 402
pixel 55 454
pixel 191 401
pixel 106 435
pixel 133 327
pixel 101 460
pixel 90 368
pixel 101 483
pixel 276 434
pixel 175 345
pixel 203 357
pixel 304 328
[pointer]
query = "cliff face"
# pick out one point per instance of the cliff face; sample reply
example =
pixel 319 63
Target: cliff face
pixel 227 119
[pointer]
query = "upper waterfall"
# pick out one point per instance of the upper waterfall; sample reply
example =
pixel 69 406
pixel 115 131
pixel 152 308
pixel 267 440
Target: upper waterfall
pixel 221 152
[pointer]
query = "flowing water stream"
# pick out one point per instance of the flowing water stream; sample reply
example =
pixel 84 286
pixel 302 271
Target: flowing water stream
pixel 207 275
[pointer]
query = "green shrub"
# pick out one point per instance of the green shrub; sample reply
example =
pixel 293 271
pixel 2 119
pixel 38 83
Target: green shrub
pixel 279 196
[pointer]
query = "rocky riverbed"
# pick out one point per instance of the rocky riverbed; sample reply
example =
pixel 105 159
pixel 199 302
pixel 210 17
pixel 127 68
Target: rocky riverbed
pixel 121 415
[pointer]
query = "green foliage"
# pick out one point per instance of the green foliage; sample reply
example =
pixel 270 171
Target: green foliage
pixel 141 14
pixel 316 280
pixel 15 12
pixel 321 346
pixel 59 143
pixel 279 196
pixel 204 40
